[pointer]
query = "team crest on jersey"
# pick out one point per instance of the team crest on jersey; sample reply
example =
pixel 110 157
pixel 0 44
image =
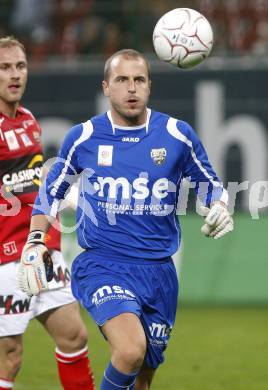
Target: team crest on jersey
pixel 105 155
pixel 158 155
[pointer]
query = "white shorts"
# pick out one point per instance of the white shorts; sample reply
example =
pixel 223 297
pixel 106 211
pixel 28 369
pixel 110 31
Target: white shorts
pixel 17 308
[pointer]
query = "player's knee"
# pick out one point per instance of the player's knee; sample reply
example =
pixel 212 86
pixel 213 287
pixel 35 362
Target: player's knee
pixel 133 355
pixel 13 359
pixel 82 337
pixel 74 340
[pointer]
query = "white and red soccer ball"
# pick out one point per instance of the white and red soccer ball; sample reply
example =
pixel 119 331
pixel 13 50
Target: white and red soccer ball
pixel 183 37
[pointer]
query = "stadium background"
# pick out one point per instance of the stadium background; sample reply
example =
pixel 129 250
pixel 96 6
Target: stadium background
pixel 220 339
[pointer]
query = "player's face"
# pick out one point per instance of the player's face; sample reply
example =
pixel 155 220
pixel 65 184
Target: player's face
pixel 128 89
pixel 13 75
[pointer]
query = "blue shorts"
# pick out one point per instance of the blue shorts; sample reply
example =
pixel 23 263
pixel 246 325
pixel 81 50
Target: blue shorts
pixel 150 290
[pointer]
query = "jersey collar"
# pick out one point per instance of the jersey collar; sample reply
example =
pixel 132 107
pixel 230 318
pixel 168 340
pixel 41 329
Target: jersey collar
pixel 18 112
pixel 146 124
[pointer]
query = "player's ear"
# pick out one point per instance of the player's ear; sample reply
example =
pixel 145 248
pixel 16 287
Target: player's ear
pixel 105 88
pixel 150 85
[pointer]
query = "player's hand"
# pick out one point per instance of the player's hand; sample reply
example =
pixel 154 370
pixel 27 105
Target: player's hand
pixel 36 267
pixel 218 221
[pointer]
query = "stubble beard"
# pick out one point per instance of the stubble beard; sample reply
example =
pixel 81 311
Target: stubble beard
pixel 132 116
pixel 11 99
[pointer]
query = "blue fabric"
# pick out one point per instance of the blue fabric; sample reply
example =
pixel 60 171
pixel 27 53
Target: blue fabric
pixel 115 380
pixel 130 182
pixel 149 289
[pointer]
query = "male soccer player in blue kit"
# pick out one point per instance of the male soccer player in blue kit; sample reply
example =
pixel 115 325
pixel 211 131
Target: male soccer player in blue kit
pixel 131 161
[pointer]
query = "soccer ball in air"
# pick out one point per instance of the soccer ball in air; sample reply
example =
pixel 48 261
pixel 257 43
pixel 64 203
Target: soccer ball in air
pixel 183 37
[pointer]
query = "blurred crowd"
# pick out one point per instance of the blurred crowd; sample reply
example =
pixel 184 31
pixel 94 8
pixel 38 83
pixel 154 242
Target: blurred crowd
pixel 71 28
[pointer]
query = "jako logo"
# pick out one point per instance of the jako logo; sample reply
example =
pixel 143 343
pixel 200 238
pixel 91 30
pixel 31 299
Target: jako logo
pixel 160 188
pixel 159 330
pixel 130 139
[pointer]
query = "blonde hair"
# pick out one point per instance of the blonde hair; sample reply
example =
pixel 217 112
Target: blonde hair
pixel 128 54
pixel 10 41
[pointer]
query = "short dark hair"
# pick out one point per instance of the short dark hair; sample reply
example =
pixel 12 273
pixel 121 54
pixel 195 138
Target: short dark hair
pixel 128 54
pixel 10 41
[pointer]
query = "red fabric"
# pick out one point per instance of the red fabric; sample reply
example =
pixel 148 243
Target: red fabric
pixel 21 161
pixel 75 372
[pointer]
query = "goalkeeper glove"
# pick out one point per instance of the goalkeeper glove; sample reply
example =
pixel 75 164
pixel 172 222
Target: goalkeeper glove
pixel 36 266
pixel 218 221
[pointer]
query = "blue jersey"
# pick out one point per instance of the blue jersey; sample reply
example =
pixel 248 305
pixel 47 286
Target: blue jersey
pixel 130 180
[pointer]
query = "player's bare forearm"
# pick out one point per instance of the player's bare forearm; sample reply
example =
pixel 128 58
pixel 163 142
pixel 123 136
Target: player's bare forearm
pixel 41 222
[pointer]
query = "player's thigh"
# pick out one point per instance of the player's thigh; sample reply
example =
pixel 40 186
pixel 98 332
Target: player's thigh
pixel 105 288
pixel 58 310
pixel 65 326
pixel 125 332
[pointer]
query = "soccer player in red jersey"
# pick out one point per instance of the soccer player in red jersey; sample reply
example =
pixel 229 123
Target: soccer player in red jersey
pixel 20 173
